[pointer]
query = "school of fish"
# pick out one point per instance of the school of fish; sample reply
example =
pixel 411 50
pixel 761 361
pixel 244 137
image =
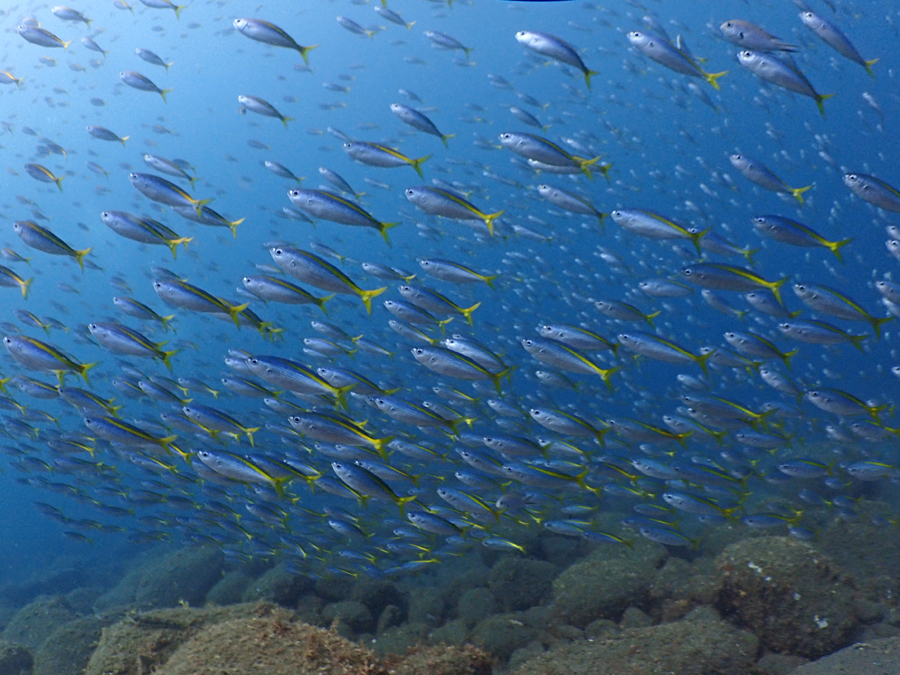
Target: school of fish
pixel 607 274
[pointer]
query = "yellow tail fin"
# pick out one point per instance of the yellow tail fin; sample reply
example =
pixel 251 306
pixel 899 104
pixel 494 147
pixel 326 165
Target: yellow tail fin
pixel 798 193
pixel 417 164
pixel 819 99
pixel 233 226
pixel 712 77
pixel 304 51
pixel 366 297
pixel 468 312
pixel 868 65
pixel 79 256
pixel 489 220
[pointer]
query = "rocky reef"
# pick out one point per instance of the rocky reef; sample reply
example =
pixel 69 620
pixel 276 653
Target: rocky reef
pixel 760 605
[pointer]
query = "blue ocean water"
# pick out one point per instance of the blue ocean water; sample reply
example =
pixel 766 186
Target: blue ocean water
pixel 669 152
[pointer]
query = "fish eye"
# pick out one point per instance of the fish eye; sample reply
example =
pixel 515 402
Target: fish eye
pixel 279 251
pixel 687 271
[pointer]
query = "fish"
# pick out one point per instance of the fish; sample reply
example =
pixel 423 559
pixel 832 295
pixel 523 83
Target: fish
pixel 567 358
pixel 270 34
pixel 261 107
pixel 571 202
pixel 791 232
pixel 547 152
pixel 447 204
pixel 42 239
pixel 137 81
pixel 443 41
pixel 43 174
pixel 310 268
pixel 655 226
pixel 723 277
pixel 834 302
pixel 376 154
pixel 758 173
pixel 37 355
pixel 392 16
pixel 144 230
pixel 139 310
pixel 334 208
pixel 187 296
pixel 750 36
pixel 10 279
pixel 874 191
pixel 152 57
pixel 834 37
pixel 554 48
pixel 106 135
pixel 41 37
pixel 673 56
pixel 660 349
pixel 781 73
pixel 124 340
pixel 418 120
pixel 453 364
pixel 164 4
pixel 165 192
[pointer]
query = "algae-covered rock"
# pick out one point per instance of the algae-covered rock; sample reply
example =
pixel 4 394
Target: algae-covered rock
pixel 879 657
pixel 34 623
pixel 14 659
pixel 278 585
pixel 81 600
pixel 700 644
pixel 185 576
pixel 476 605
pixel 519 583
pixel 502 634
pixel 793 597
pixel 390 617
pixel 272 644
pixel 444 661
pixel 229 590
pixel 634 618
pixel 182 576
pixel 778 664
pixel 606 582
pixel 680 586
pixel 451 633
pixel 334 587
pixel 143 641
pixel 426 605
pixel 377 594
pixel 354 614
pixel 400 639
pixel 69 647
